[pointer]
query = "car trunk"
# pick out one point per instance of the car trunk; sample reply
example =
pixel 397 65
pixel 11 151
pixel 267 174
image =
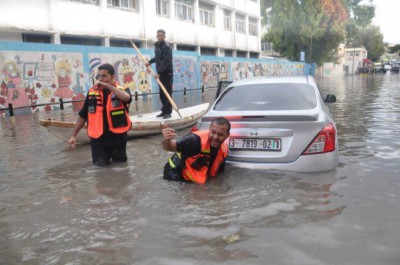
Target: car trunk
pixel 273 138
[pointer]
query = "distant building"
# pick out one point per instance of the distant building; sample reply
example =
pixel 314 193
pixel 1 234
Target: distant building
pixel 222 28
pixel 354 58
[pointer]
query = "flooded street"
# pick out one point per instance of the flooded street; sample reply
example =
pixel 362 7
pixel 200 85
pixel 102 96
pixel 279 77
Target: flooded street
pixel 57 208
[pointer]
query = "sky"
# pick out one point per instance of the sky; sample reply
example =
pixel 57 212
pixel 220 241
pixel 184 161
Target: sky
pixel 387 17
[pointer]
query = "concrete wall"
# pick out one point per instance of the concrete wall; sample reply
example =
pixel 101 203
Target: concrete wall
pixel 42 73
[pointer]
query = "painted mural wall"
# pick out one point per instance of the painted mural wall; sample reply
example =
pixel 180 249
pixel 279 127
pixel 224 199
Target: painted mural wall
pixel 43 73
pixel 33 78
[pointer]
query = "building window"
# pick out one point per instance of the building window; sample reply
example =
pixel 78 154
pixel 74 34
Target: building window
pixel 266 46
pixel 183 47
pixel 253 27
pixel 206 12
pixel 254 55
pixel 36 38
pixel 240 22
pixel 242 54
pixel 75 40
pixel 207 51
pixel 162 8
pixel 227 20
pixel 184 10
pixel 228 53
pixel 125 4
pixel 88 1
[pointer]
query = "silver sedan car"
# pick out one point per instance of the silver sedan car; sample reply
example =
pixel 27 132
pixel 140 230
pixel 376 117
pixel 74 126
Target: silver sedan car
pixel 278 123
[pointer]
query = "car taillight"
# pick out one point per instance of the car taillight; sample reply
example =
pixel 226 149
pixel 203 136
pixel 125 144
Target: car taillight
pixel 324 142
pixel 194 128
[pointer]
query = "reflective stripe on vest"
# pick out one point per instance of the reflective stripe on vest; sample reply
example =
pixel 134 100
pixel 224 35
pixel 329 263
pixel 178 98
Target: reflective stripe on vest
pixel 117 115
pixel 200 175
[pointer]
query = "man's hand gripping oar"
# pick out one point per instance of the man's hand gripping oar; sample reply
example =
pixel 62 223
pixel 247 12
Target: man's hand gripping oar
pixel 157 79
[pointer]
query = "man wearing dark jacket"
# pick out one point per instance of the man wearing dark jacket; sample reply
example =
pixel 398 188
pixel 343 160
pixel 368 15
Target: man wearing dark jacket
pixel 163 60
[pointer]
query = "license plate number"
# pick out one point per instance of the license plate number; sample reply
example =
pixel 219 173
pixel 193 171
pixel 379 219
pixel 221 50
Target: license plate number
pixel 266 144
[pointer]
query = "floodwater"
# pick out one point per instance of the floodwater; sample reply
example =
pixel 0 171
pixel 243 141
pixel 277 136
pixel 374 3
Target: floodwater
pixel 56 208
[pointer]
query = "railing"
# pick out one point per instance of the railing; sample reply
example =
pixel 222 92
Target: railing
pixel 61 101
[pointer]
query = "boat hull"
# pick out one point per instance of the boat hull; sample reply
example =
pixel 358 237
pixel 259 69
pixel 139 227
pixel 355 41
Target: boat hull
pixel 145 124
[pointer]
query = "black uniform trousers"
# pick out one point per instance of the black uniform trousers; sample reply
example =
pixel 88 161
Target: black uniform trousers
pixel 167 80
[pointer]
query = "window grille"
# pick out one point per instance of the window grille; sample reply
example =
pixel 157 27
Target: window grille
pixel 125 4
pixel 240 23
pixel 206 13
pixel 162 7
pixel 227 20
pixel 253 28
pixel 184 10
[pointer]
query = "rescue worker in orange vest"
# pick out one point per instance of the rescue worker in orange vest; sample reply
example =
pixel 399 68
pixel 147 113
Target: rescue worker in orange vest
pixel 199 155
pixel 106 112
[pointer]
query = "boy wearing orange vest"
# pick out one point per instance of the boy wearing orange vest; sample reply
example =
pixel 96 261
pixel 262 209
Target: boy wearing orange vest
pixel 106 112
pixel 200 154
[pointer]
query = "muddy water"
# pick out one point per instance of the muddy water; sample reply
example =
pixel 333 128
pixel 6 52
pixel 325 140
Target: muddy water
pixel 56 208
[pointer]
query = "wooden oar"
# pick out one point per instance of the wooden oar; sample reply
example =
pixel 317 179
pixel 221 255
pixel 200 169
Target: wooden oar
pixel 157 79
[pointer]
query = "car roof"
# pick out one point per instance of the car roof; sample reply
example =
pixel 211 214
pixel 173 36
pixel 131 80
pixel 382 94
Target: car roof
pixel 275 79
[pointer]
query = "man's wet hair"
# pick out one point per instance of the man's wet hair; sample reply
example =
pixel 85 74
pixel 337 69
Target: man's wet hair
pixel 108 67
pixel 161 30
pixel 222 121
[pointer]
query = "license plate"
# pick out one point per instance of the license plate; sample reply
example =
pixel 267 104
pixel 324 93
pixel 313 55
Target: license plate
pixel 266 144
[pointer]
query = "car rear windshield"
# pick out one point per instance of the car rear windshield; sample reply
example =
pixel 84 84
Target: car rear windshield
pixel 282 96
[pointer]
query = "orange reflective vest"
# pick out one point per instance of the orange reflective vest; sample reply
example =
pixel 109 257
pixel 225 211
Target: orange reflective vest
pixel 197 168
pixel 117 114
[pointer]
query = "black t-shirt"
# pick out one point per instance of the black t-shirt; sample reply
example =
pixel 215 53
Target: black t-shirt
pixel 108 136
pixel 190 145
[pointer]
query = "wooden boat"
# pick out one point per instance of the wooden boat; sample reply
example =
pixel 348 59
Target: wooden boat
pixel 143 124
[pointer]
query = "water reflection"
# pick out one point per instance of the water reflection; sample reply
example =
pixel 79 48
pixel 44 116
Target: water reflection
pixel 57 208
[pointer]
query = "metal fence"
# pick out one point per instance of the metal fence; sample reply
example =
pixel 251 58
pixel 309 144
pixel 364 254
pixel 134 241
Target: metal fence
pixel 61 102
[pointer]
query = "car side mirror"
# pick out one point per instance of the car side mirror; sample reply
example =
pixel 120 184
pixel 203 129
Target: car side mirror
pixel 330 98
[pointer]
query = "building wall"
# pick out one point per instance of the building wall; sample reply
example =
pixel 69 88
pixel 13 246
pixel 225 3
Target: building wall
pixel 33 73
pixel 74 17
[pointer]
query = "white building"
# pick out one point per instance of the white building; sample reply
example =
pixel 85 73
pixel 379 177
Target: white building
pixel 229 28
pixel 353 59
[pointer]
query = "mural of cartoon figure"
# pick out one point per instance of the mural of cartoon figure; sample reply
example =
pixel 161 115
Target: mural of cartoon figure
pixel 63 72
pixel 143 82
pixel 128 74
pixel 223 75
pixel 16 92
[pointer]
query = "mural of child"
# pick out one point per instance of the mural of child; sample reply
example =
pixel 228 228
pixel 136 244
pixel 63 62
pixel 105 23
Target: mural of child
pixel 63 72
pixel 16 92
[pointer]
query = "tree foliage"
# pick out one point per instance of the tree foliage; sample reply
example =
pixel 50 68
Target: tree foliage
pixel 372 39
pixel 316 27
pixel 395 49
pixel 360 32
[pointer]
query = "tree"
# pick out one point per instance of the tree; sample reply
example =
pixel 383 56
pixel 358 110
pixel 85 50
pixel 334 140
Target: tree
pixel 395 49
pixel 316 27
pixel 266 5
pixel 372 39
pixel 360 17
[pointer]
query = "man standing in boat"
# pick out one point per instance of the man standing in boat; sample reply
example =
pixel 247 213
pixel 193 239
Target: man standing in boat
pixel 199 155
pixel 164 66
pixel 106 111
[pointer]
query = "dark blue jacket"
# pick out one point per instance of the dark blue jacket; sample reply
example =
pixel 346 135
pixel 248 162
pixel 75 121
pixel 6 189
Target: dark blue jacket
pixel 163 58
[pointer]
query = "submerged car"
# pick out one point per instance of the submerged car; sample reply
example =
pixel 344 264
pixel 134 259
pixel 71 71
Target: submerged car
pixel 278 123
